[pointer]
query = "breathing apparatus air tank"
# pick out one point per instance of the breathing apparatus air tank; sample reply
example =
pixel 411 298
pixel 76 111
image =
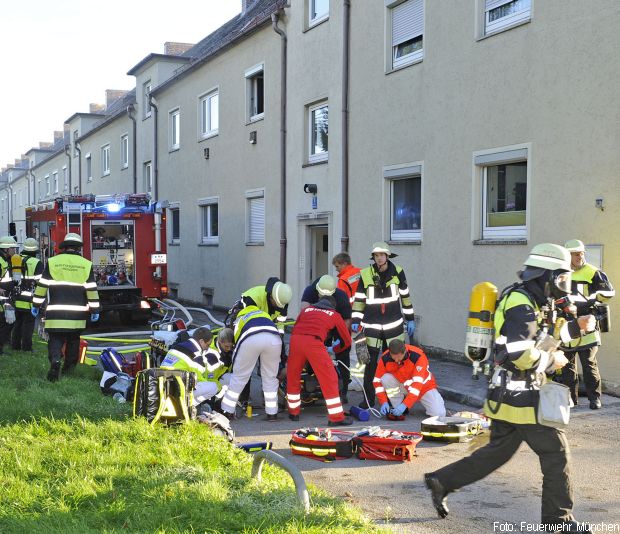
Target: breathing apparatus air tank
pixel 480 333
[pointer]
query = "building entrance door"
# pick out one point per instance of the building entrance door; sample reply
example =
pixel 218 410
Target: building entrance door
pixel 318 239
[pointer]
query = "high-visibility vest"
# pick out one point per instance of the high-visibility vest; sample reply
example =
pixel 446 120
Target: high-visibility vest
pixel 31 269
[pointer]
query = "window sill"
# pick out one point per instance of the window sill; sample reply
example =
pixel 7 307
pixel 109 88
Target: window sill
pixel 209 244
pixel 124 167
pixel 313 163
pixel 174 244
pixel 255 244
pixel 209 135
pixel 404 241
pixel 146 117
pixel 255 118
pixel 317 22
pixel 496 241
pixel 401 67
pixel 502 30
pixel 173 149
pixel 105 174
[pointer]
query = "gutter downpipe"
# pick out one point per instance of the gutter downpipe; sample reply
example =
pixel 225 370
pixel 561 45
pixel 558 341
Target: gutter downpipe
pixel 134 148
pixel 34 188
pixel 79 151
pixel 157 212
pixel 68 154
pixel 283 66
pixel 346 52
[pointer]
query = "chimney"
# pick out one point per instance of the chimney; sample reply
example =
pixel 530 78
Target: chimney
pixel 45 144
pixel 96 108
pixel 112 95
pixel 176 49
pixel 58 136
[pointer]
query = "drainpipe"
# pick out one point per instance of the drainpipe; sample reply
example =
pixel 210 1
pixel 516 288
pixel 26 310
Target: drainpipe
pixel 130 111
pixel 68 153
pixel 79 151
pixel 157 214
pixel 34 188
pixel 346 45
pixel 283 60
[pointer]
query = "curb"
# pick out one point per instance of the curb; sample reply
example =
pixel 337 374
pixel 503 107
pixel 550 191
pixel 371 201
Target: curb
pixel 462 398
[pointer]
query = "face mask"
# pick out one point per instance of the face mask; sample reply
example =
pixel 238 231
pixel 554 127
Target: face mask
pixel 559 284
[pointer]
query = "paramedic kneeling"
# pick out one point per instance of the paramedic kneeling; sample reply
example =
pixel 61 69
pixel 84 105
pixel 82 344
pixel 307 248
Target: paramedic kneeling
pixel 402 378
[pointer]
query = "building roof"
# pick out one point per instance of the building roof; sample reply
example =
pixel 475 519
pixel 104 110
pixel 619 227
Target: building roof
pixel 153 57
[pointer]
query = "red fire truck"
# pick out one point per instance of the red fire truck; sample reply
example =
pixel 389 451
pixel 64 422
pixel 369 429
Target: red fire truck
pixel 124 236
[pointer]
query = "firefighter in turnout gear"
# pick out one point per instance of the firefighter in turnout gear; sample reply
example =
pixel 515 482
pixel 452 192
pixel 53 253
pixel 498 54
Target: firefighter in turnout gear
pixel 315 324
pixel 7 249
pixel 403 378
pixel 32 268
pixel 381 301
pixel 69 288
pixel 256 336
pixel 590 287
pixel 525 353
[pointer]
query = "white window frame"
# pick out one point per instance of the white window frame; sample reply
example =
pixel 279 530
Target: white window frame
pixel 316 157
pixel 508 21
pixel 147 176
pixel 174 207
pixel 314 20
pixel 88 161
pixel 124 151
pixel 174 129
pixel 482 160
pixel 410 27
pixel 47 185
pixel 205 205
pixel 55 181
pixel 252 199
pixel 146 90
pixel 65 179
pixel 251 77
pixel 105 160
pixel 395 173
pixel 206 126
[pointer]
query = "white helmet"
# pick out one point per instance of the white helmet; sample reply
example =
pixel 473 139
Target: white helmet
pixel 71 240
pixel 31 245
pixel 382 247
pixel 326 285
pixel 574 245
pixel 549 256
pixel 7 242
pixel 281 294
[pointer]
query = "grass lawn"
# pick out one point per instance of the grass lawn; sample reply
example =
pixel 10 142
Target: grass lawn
pixel 72 460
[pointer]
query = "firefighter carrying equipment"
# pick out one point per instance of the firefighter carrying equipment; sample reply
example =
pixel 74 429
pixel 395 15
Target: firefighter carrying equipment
pixel 480 333
pixel 450 429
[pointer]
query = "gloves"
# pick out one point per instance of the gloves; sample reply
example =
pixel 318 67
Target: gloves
pixel 94 317
pixel 399 410
pixel 335 344
pixel 34 312
pixel 355 327
pixel 385 408
pixel 410 329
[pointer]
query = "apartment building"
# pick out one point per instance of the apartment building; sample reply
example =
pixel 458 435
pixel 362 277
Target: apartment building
pixel 464 133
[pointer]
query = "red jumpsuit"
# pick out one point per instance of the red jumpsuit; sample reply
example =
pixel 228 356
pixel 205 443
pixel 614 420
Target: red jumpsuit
pixel 311 329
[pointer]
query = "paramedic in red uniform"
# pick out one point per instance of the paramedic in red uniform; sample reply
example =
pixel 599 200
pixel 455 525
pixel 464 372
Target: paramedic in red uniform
pixel 403 378
pixel 313 326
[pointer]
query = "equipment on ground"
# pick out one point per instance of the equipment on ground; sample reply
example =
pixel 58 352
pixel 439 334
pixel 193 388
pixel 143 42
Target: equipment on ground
pixel 450 429
pixel 124 238
pixel 480 334
pixel 389 445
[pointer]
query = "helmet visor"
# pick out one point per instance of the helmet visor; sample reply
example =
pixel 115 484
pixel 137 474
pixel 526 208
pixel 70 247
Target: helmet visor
pixel 562 281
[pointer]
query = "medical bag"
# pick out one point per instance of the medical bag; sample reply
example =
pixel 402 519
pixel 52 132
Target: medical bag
pixel 384 444
pixel 322 444
pixel 450 429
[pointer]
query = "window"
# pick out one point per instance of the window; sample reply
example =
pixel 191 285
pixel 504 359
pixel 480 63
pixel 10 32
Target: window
pixel 76 134
pixel 502 14
pixel 209 220
pixel 55 181
pixel 124 151
pixel 47 185
pixel 255 91
pixel 65 179
pixel 146 91
pixel 255 217
pixel 406 20
pixel 318 11
pixel 209 114
pixel 504 179
pixel 319 132
pixel 147 172
pixel 175 224
pixel 405 194
pixel 89 168
pixel 105 160
pixel 173 129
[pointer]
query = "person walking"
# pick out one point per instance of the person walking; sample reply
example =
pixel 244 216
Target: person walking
pixel 32 268
pixel 381 301
pixel 68 285
pixel 7 249
pixel 524 355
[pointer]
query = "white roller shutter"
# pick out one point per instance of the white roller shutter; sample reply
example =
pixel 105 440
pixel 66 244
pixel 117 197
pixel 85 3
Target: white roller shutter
pixel 407 21
pixel 492 4
pixel 256 226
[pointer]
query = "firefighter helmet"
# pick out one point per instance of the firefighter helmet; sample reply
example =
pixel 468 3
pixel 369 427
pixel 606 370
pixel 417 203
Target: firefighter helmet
pixel 7 242
pixel 549 256
pixel 574 245
pixel 71 240
pixel 382 247
pixel 326 285
pixel 281 294
pixel 31 245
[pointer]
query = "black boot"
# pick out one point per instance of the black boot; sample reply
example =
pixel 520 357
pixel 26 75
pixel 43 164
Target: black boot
pixel 439 494
pixel 54 373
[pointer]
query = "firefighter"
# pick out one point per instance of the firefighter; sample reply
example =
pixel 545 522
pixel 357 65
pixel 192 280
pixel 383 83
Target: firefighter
pixel 348 274
pixel 197 356
pixel 256 336
pixel 590 286
pixel 68 285
pixel 381 300
pixel 523 355
pixel 324 286
pixel 21 338
pixel 315 324
pixel 403 378
pixel 7 249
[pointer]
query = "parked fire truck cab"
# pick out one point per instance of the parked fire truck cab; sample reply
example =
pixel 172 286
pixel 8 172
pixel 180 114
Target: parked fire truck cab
pixel 125 238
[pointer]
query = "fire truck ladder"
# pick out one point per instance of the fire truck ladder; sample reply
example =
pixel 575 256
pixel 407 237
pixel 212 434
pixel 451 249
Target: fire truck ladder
pixel 73 208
